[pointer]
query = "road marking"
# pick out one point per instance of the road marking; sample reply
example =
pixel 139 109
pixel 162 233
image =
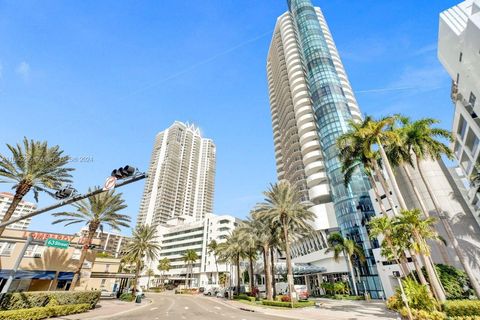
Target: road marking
pixel 183 317
pixel 155 308
pixel 186 308
pixel 218 308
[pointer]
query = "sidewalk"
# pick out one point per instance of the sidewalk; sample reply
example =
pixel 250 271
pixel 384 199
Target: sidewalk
pixel 107 308
pixel 328 310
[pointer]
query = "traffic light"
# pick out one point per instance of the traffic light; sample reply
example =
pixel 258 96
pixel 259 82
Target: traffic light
pixel 123 172
pixel 64 193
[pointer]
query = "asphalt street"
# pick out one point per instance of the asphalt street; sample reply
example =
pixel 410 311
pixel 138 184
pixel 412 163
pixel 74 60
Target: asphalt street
pixel 183 307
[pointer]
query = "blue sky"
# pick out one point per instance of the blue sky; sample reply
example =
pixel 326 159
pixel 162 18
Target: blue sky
pixel 101 78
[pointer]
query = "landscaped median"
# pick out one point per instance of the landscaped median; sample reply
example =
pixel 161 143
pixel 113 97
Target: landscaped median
pixel 280 303
pixel 41 305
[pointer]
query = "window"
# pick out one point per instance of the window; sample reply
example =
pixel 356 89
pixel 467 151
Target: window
pixel 76 254
pixel 102 284
pixel 34 250
pixel 6 248
pixel 472 99
pixel 460 57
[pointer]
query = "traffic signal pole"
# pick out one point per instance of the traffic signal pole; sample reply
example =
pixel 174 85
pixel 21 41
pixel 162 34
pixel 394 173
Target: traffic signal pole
pixel 73 199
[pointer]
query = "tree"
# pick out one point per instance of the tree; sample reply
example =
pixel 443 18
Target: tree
pixel 419 230
pixel 282 206
pixel 163 266
pixel 212 248
pixel 190 256
pixel 150 273
pixel 247 237
pixel 263 237
pixel 96 211
pixel 143 246
pixel 340 245
pixel 33 166
pixel 233 251
pixel 363 143
pixel 422 140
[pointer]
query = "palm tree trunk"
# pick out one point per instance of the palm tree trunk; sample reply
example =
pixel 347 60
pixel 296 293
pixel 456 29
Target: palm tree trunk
pixel 267 270
pixel 20 192
pixel 385 187
pixel 440 247
pixel 238 274
pixel 137 274
pixel 92 228
pixel 377 195
pixel 450 234
pixel 291 289
pixel 432 276
pixel 352 273
pixel 252 280
pixel 418 268
pixel 391 175
pixel 274 273
pixel 216 267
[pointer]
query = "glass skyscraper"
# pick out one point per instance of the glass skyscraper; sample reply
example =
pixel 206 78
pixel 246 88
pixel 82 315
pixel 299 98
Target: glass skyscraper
pixel 312 103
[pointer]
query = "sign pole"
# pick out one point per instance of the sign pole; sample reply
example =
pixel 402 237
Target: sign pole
pixel 17 264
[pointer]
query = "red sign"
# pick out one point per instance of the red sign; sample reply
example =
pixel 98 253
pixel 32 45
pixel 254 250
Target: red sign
pixel 45 236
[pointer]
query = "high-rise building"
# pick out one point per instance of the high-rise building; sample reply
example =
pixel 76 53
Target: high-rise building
pixel 311 103
pixel 181 176
pixel 22 209
pixel 111 243
pixel 459 52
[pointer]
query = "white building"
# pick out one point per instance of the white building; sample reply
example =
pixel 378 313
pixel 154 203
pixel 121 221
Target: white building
pixel 22 209
pixel 459 52
pixel 183 233
pixel 111 242
pixel 181 176
pixel 311 101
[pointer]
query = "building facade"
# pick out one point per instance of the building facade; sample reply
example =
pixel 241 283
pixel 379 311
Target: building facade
pixel 459 53
pixel 184 233
pixel 311 102
pixel 111 243
pixel 22 209
pixel 181 176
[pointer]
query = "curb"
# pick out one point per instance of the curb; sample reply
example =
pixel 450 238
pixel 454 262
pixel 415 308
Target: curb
pixel 123 312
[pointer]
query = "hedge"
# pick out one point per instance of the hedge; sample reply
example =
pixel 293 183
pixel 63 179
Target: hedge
pixel 464 318
pixel 244 297
pixel 127 297
pixel 26 300
pixel 44 312
pixel 299 304
pixel 460 308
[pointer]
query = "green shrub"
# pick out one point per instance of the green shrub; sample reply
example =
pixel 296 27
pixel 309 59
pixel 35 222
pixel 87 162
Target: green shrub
pixel 43 312
pixel 455 308
pixel 299 304
pixel 454 280
pixel 26 300
pixel 186 291
pixel 243 296
pixel 464 318
pixel 127 297
pixel 423 314
pixel 417 294
pixel 395 303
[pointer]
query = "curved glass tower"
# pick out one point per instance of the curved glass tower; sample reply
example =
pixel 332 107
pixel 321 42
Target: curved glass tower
pixel 332 105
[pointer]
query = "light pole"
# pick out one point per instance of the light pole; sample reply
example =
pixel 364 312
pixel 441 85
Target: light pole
pixel 396 274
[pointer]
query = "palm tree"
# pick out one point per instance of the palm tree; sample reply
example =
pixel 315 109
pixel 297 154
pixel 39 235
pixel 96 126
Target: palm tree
pixel 283 206
pixel 96 211
pixel 340 245
pixel 143 246
pixel 150 273
pixel 419 230
pixel 190 256
pixel 357 148
pixel 164 266
pixel 248 238
pixel 212 248
pixel 421 139
pixel 33 166
pixel 233 251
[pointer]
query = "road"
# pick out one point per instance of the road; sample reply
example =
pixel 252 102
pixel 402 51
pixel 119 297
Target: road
pixel 183 307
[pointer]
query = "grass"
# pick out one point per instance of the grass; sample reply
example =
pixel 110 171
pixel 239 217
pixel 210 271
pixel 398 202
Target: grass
pixel 302 304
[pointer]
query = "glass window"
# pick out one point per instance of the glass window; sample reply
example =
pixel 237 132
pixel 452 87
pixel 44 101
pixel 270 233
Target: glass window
pixel 6 248
pixel 472 99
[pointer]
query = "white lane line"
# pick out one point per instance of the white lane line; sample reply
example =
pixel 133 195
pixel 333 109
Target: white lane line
pixel 154 308
pixel 218 308
pixel 186 308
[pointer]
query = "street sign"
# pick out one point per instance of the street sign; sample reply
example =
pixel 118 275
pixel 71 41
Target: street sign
pixel 110 183
pixel 55 243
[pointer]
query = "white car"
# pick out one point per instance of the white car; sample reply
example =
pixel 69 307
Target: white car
pixel 211 292
pixel 107 294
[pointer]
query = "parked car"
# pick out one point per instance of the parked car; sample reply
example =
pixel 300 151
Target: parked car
pixel 221 293
pixel 302 291
pixel 211 292
pixel 107 294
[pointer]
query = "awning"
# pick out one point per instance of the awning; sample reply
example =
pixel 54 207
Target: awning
pixel 65 275
pixel 24 274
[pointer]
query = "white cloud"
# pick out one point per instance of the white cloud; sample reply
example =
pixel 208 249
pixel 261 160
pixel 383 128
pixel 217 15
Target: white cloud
pixel 23 70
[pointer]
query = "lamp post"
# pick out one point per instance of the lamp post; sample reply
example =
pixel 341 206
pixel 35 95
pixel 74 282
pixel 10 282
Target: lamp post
pixel 396 274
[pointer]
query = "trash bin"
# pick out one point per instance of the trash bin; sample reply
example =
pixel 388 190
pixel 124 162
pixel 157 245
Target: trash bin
pixel 138 298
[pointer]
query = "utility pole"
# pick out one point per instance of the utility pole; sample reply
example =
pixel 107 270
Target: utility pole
pixel 12 274
pixel 396 274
